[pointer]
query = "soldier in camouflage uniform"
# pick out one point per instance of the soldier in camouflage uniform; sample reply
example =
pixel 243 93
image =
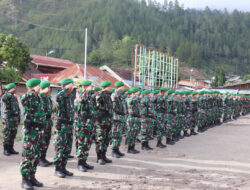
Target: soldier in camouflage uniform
pixel 64 127
pixel 34 123
pixel 160 109
pixel 48 109
pixel 84 125
pixel 194 113
pixel 147 120
pixel 104 122
pixel 119 118
pixel 11 119
pixel 133 119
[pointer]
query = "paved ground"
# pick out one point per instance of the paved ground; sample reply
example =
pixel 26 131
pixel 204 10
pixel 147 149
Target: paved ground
pixel 216 159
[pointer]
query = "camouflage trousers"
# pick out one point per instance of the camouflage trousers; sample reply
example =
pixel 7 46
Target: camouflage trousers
pixel 31 150
pixel 63 144
pixel 131 133
pixel 146 128
pixel 85 132
pixel 160 126
pixel 117 129
pixel 170 124
pixel 9 131
pixel 103 134
pixel 201 121
pixel 46 137
pixel 179 124
pixel 186 120
pixel 193 122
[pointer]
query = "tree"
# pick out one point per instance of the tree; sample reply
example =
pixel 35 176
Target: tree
pixel 95 58
pixel 14 58
pixel 246 77
pixel 221 78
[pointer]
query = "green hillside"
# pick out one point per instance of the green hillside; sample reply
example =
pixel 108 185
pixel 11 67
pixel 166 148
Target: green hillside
pixel 208 39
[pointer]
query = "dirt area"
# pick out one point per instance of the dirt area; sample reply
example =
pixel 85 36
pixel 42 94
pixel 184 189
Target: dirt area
pixel 219 159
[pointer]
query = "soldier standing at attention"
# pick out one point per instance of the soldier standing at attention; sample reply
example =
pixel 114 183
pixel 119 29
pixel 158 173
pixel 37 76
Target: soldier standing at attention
pixel 34 122
pixel 84 123
pixel 104 122
pixel 48 109
pixel 64 127
pixel 11 119
pixel 119 119
pixel 133 119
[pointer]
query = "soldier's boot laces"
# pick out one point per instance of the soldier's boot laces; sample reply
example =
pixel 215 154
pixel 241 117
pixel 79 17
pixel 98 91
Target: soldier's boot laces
pixel 12 150
pixel 115 153
pixel 59 172
pixel 66 172
pixel 105 158
pixel 35 182
pixel 26 184
pixel 121 154
pixel 100 159
pixel 160 145
pixel 81 167
pixel 6 150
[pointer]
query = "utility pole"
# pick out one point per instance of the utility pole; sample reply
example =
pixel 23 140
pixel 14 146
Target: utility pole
pixel 85 57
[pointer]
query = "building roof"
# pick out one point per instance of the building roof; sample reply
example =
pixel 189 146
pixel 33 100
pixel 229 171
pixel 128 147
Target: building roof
pixel 77 71
pixel 192 72
pixel 194 84
pixel 242 85
pixel 51 61
pixel 125 74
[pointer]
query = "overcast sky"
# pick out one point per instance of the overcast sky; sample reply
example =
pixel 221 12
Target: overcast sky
pixel 243 5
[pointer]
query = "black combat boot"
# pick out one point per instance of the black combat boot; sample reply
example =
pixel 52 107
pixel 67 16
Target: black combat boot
pixel 100 159
pixel 115 153
pixel 145 146
pixel 59 172
pixel 6 150
pixel 43 162
pixel 81 167
pixel 121 154
pixel 89 167
pixel 132 150
pixel 160 145
pixel 11 150
pixel 105 158
pixel 35 182
pixel 26 184
pixel 65 171
pixel 169 141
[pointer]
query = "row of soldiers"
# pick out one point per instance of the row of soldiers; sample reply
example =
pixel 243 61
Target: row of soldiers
pixel 106 115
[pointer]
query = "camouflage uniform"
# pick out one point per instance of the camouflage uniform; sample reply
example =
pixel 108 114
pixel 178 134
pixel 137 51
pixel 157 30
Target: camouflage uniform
pixel 194 113
pixel 119 118
pixel 48 109
pixel 147 121
pixel 201 112
pixel 11 118
pixel 84 124
pixel 34 123
pixel 64 127
pixel 170 116
pixel 104 121
pixel 160 116
pixel 133 119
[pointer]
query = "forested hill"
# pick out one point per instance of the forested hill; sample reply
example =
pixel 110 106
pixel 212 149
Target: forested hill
pixel 207 39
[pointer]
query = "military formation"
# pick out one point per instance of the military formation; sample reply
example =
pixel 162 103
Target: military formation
pixel 105 116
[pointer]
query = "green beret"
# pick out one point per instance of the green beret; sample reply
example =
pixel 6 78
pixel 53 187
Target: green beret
pixel 112 90
pixel 10 86
pixel 119 84
pixel 44 84
pixel 97 89
pixel 33 82
pixel 129 91
pixel 86 83
pixel 66 81
pixel 125 89
pixel 177 93
pixel 188 93
pixel 146 91
pixel 194 93
pixel 134 90
pixel 171 91
pixel 156 92
pixel 105 83
pixel 164 89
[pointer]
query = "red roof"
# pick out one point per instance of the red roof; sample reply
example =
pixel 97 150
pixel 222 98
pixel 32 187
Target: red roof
pixel 51 61
pixel 77 71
